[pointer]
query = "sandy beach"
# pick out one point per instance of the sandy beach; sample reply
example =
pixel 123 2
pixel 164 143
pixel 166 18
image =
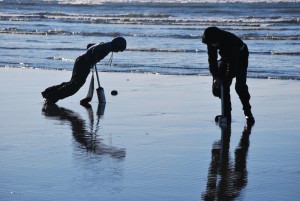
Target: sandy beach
pixel 156 140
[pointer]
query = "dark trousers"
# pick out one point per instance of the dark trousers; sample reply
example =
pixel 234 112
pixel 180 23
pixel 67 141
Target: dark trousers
pixel 80 72
pixel 241 89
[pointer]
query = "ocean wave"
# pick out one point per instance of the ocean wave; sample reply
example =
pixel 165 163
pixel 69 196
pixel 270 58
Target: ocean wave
pixel 286 53
pixel 165 35
pixel 152 50
pixel 162 50
pixel 204 51
pixel 95 2
pixel 39 48
pixel 60 59
pixel 271 37
pixel 265 75
pixel 152 19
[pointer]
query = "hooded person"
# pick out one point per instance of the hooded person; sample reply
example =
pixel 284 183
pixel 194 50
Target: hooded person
pixel 81 69
pixel 233 63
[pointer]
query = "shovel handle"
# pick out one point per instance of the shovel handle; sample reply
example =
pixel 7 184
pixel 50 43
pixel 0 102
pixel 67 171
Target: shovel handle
pixel 97 76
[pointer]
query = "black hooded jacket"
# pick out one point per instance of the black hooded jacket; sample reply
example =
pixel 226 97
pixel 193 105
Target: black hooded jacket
pixel 86 61
pixel 232 50
pixel 97 52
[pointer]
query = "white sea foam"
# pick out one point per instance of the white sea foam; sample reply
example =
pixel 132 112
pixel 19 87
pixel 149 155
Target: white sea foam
pixel 162 38
pixel 167 1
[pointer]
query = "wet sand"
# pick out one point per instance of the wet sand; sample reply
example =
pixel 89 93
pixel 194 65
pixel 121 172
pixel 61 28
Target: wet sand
pixel 155 140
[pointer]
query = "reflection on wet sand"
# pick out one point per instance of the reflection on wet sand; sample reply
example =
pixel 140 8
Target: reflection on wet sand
pixel 87 138
pixel 226 178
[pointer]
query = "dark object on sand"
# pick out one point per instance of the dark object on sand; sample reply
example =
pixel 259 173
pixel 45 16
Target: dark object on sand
pixel 114 92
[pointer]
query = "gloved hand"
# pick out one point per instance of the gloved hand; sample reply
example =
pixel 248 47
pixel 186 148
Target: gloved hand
pixel 217 82
pixel 216 86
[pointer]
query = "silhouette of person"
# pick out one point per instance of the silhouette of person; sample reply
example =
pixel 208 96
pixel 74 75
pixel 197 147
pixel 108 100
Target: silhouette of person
pixel 86 138
pixel 81 70
pixel 233 64
pixel 233 176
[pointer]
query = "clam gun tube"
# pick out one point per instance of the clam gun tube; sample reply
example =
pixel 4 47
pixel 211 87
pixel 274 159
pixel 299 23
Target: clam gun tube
pixel 100 90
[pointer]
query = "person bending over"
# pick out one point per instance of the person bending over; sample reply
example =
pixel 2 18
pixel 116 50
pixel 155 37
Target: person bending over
pixel 81 70
pixel 232 64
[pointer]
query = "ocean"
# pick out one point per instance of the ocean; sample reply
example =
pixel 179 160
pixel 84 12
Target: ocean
pixel 163 37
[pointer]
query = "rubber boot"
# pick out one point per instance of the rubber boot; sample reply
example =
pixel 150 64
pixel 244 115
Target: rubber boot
pixel 249 117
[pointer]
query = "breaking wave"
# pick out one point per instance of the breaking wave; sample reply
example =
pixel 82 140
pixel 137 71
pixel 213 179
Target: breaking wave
pixel 80 2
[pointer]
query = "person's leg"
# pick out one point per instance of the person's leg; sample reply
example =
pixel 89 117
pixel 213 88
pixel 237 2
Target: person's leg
pixel 243 92
pixel 241 86
pixel 81 69
pixel 66 89
pixel 52 89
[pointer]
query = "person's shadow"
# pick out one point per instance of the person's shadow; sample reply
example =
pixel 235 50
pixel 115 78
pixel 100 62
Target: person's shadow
pixel 88 138
pixel 226 178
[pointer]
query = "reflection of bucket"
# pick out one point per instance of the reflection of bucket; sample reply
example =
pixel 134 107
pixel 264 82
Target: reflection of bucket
pixel 101 95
